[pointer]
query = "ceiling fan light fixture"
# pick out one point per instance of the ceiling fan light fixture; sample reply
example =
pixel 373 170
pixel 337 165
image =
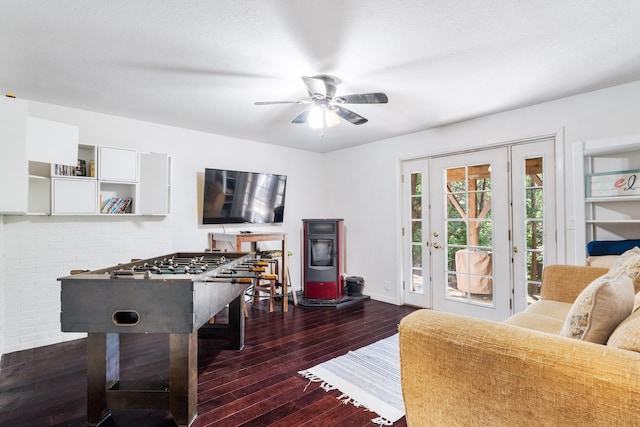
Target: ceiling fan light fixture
pixel 316 117
pixel 320 117
pixel 331 118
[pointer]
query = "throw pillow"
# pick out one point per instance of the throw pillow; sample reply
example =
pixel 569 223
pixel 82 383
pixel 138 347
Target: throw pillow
pixel 599 308
pixel 603 261
pixel 628 263
pixel 627 335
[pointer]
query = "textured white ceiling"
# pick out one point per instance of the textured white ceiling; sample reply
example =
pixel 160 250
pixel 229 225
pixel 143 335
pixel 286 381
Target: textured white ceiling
pixel 201 64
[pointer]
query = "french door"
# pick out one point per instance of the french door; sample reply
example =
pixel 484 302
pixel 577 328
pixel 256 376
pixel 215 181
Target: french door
pixel 416 256
pixel 474 228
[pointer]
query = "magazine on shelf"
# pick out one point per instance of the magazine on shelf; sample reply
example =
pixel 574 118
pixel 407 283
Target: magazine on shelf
pixel 116 205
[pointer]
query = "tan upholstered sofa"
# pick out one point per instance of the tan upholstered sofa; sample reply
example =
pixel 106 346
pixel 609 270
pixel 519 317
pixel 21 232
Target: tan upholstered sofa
pixel 463 371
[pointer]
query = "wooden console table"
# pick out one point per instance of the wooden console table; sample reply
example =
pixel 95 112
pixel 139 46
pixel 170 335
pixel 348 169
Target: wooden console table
pixel 252 238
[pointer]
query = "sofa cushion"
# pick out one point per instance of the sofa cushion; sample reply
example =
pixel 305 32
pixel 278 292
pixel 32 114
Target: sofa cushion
pixel 555 309
pixel 544 316
pixel 599 308
pixel 536 321
pixel 565 282
pixel 627 335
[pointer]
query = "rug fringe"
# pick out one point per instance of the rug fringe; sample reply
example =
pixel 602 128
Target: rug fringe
pixel 344 398
pixel 315 379
pixel 381 421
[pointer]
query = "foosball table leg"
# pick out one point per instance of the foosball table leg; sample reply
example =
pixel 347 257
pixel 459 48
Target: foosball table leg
pixel 103 370
pixel 236 323
pixel 183 377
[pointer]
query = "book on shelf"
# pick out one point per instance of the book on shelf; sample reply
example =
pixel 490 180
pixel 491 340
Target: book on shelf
pixel 117 205
pixel 65 170
pixel 81 170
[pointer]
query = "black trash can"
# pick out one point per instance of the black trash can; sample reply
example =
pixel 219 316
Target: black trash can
pixel 354 285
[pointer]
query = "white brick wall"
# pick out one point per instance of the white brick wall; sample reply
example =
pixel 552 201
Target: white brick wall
pixel 38 250
pixel 2 281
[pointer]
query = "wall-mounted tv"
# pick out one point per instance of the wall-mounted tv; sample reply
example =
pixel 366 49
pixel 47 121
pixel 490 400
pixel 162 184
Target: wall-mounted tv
pixel 242 197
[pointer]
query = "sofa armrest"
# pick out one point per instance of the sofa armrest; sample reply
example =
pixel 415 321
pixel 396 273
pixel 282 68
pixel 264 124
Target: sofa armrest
pixel 565 282
pixel 458 370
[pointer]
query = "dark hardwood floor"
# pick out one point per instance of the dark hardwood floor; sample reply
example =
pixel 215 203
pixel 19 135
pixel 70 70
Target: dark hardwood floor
pixel 258 386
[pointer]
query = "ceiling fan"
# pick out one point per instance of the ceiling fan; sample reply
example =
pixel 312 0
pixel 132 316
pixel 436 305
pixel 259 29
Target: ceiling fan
pixel 325 108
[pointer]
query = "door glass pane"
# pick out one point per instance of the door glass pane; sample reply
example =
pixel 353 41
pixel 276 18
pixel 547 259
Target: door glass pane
pixel 534 226
pixel 416 234
pixel 469 234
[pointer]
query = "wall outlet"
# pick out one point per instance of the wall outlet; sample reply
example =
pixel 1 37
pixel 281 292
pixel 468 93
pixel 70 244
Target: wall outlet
pixel 387 285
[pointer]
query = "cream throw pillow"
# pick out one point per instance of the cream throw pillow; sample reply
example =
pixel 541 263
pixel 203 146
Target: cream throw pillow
pixel 599 308
pixel 602 261
pixel 627 335
pixel 628 263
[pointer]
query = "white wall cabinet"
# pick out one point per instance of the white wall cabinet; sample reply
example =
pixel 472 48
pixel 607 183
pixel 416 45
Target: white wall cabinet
pixel 117 164
pixel 155 184
pixel 605 218
pixel 27 142
pixel 74 196
pixel 73 185
pixel 51 142
pixel 14 178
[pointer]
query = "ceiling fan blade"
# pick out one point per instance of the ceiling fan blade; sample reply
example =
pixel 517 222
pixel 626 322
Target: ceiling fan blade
pixel 350 116
pixel 314 86
pixel 363 98
pixel 280 102
pixel 322 84
pixel 302 117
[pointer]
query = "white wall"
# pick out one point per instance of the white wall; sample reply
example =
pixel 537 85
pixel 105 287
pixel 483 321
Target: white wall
pixel 36 250
pixel 365 180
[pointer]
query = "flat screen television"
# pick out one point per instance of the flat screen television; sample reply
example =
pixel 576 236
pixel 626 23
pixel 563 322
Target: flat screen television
pixel 242 197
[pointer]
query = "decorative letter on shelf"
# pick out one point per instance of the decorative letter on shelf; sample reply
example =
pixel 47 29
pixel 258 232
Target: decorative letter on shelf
pixel 613 184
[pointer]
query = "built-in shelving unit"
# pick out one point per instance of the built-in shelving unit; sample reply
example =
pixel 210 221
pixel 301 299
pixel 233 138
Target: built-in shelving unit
pixel 45 171
pixel 117 180
pixel 39 200
pixel 73 187
pixel 605 218
pixel 116 184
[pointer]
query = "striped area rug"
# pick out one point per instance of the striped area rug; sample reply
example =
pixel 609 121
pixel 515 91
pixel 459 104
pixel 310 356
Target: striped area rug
pixel 367 377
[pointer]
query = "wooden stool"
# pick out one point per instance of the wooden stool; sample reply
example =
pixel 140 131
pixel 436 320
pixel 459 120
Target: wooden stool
pixel 269 288
pixel 271 258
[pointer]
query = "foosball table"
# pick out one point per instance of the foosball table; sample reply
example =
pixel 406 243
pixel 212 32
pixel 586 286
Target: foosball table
pixel 176 294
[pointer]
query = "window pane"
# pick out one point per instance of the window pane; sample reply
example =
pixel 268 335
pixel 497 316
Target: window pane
pixel 534 226
pixel 416 231
pixel 416 255
pixel 416 207
pixel 416 280
pixel 457 233
pixel 416 184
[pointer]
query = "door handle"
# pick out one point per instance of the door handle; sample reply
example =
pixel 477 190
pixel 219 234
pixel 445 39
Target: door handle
pixel 437 245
